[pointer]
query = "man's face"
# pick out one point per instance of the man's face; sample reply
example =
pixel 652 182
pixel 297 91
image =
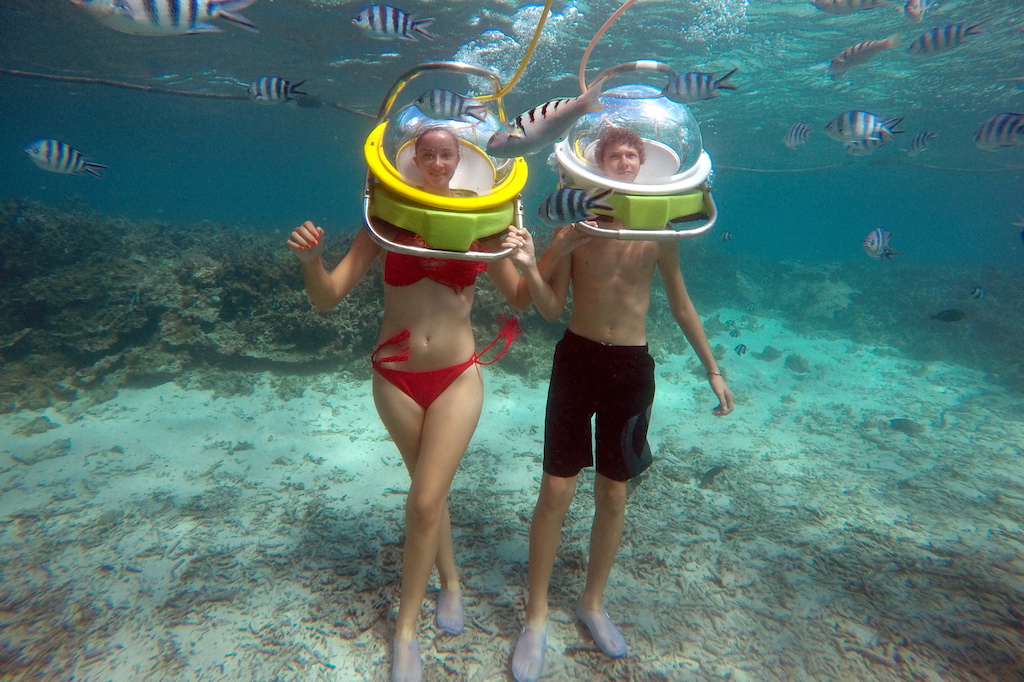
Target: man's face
pixel 621 162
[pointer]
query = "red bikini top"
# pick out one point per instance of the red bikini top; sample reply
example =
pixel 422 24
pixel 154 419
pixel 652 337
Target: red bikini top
pixel 401 270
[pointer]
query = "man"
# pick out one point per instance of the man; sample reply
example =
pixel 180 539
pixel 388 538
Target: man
pixel 600 367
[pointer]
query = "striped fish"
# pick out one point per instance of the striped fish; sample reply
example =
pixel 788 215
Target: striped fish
pixel 167 17
pixel 943 38
pixel 877 246
pixel 860 53
pixel 915 9
pixel 797 135
pixel 847 6
pixel 384 22
pixel 547 123
pixel 57 157
pixel 851 126
pixel 444 104
pixel 273 90
pixel 921 141
pixel 692 87
pixel 999 131
pixel 567 205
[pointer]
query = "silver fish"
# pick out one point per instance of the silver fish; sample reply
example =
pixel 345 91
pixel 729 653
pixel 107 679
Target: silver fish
pixel 543 125
pixel 692 87
pixel 921 141
pixel 876 245
pixel 797 135
pixel 273 90
pixel 167 17
pixel 943 38
pixel 444 104
pixel 384 22
pixel 568 205
pixel 999 131
pixel 58 157
pixel 547 123
pixel 860 53
pixel 861 125
pixel 915 9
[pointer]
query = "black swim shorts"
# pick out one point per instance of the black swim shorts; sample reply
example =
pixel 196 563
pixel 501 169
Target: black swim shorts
pixel 614 382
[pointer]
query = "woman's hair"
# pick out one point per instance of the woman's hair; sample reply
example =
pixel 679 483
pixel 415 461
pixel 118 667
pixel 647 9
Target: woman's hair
pixel 616 136
pixel 437 129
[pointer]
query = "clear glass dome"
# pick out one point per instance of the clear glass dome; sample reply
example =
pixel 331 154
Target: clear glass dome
pixel 477 171
pixel 671 135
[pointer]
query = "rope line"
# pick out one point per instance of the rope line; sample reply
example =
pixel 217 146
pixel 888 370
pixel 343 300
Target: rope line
pixel 152 89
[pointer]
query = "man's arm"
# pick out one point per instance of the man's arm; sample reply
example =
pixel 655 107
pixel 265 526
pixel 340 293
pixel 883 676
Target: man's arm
pixel 685 315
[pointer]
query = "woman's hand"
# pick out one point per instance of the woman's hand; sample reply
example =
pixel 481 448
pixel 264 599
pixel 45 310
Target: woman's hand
pixel 524 256
pixel 305 241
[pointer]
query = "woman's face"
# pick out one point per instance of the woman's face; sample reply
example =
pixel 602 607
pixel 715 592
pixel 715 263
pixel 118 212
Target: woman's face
pixel 437 156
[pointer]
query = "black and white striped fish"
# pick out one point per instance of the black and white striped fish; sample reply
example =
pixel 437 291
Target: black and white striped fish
pixel 688 88
pixel 568 205
pixel 384 22
pixel 167 17
pixel 943 38
pixel 921 141
pixel 797 134
pixel 274 90
pixel 1000 131
pixel 861 125
pixel 442 104
pixel 543 125
pixel 58 157
pixel 547 123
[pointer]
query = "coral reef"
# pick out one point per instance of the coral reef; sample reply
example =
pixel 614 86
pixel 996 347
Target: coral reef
pixel 93 303
pixel 90 304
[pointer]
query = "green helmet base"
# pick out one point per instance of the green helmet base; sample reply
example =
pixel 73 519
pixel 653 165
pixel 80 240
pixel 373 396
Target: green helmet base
pixel 440 229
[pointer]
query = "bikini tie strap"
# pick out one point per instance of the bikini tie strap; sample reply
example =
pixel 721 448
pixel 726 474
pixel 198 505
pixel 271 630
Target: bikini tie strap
pixel 510 331
pixel 396 340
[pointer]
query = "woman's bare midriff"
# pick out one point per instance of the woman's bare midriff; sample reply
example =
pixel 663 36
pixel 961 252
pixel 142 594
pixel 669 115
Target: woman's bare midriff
pixel 438 320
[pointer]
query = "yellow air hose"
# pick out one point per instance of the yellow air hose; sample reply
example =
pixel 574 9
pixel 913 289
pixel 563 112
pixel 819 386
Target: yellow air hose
pixel 526 57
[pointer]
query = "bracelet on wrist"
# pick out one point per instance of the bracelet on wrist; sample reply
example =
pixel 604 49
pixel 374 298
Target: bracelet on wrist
pixel 717 374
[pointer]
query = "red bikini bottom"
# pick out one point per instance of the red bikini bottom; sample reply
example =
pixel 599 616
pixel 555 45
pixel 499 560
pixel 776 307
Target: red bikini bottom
pixel 424 386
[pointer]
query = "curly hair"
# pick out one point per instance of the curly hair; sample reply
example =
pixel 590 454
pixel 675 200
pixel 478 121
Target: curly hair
pixel 616 136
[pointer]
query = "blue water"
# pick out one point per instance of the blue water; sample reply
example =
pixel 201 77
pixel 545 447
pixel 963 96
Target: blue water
pixel 794 274
pixel 185 160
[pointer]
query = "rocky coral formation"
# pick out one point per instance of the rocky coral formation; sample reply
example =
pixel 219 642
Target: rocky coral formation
pixel 91 304
pixel 94 303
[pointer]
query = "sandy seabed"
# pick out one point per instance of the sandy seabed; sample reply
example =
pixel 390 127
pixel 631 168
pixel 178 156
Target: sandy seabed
pixel 171 535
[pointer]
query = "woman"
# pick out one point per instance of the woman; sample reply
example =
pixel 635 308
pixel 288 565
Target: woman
pixel 429 393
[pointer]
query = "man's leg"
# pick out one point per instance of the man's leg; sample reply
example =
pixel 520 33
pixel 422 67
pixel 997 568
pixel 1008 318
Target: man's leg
pixel 553 502
pixel 605 538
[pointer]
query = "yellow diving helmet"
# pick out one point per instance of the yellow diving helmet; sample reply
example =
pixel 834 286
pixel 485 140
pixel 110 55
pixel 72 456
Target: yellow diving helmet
pixel 488 190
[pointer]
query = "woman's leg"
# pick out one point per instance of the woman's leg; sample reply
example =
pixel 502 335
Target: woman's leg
pixel 403 418
pixel 443 432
